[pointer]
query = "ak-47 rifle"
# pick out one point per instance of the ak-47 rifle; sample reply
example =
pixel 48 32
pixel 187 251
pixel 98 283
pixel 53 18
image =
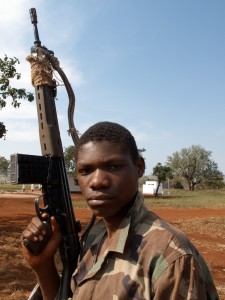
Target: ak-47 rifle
pixel 49 169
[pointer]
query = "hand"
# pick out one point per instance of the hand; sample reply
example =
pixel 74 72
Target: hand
pixel 36 232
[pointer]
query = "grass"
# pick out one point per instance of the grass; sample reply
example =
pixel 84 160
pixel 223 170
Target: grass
pixel 8 187
pixel 175 198
pixel 185 198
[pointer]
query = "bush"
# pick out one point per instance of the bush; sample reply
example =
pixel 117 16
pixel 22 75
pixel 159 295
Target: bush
pixel 178 185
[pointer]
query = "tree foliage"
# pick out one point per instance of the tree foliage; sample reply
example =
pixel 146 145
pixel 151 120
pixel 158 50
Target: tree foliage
pixel 141 151
pixel 7 73
pixel 163 173
pixel 213 177
pixel 195 165
pixel 69 156
pixel 4 165
pixel 178 185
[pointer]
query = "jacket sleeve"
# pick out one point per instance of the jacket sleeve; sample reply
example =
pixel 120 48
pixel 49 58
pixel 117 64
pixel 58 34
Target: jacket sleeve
pixel 183 279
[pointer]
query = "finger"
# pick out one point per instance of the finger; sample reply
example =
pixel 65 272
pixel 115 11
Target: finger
pixel 54 224
pixel 41 226
pixel 33 232
pixel 44 215
pixel 27 234
pixel 37 222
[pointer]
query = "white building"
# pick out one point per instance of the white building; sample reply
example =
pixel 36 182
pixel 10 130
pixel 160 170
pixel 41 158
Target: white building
pixel 73 185
pixel 150 186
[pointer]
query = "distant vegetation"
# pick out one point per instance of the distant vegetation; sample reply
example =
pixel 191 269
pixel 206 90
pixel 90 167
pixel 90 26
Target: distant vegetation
pixel 186 198
pixel 16 187
pixel 196 167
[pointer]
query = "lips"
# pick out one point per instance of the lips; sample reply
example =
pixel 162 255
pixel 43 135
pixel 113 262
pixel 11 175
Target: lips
pixel 99 199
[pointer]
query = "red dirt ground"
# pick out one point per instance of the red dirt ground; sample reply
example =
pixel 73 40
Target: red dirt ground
pixel 205 227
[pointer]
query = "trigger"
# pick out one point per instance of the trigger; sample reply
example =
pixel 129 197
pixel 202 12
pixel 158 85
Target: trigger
pixel 39 210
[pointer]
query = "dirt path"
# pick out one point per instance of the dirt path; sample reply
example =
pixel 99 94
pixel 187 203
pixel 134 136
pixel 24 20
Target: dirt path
pixel 205 227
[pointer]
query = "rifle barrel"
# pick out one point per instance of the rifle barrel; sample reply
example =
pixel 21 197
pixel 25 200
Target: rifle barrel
pixel 33 16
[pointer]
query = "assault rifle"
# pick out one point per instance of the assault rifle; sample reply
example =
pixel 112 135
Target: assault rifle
pixel 49 169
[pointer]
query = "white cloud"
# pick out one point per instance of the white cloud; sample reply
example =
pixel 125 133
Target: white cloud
pixel 148 133
pixel 74 75
pixel 26 111
pixel 17 37
pixel 13 26
pixel 22 132
pixel 22 129
pixel 11 12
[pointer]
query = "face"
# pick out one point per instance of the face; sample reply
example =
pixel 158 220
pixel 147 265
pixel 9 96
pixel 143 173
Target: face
pixel 108 177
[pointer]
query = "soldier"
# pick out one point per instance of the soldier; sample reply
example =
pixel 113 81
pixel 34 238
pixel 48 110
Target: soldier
pixel 130 253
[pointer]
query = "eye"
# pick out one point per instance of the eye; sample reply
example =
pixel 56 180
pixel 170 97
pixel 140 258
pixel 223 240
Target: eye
pixel 84 171
pixel 115 166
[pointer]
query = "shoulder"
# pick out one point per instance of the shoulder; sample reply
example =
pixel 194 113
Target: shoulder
pixel 161 240
pixel 170 256
pixel 169 250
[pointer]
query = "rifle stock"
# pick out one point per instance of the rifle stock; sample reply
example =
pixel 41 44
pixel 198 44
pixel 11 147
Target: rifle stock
pixel 49 171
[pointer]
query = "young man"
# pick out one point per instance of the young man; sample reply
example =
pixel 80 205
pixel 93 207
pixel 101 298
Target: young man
pixel 130 253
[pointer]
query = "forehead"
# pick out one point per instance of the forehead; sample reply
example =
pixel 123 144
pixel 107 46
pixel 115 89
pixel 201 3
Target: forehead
pixel 101 150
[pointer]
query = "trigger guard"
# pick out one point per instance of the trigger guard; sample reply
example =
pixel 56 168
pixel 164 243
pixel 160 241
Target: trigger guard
pixel 40 211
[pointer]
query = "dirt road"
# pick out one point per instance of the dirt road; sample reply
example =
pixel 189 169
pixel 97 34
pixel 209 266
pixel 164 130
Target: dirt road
pixel 205 227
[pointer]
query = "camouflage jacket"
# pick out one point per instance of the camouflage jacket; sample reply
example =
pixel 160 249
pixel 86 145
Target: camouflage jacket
pixel 148 259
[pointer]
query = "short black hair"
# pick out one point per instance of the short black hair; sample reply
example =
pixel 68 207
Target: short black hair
pixel 111 132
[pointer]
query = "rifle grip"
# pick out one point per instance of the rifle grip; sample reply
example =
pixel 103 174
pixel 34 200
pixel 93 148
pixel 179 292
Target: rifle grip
pixel 36 248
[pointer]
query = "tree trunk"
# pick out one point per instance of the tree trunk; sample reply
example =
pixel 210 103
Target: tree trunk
pixel 192 186
pixel 157 189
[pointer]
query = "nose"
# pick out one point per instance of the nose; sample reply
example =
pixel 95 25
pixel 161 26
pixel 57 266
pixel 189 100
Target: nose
pixel 99 179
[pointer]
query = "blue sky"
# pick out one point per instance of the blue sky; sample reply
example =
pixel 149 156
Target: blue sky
pixel 156 67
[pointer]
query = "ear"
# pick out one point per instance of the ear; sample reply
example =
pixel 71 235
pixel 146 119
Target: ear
pixel 140 166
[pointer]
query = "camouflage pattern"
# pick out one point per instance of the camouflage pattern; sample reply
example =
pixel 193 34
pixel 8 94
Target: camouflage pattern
pixel 148 259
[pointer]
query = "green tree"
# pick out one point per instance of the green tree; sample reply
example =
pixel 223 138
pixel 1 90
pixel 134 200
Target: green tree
pixel 141 151
pixel 69 156
pixel 195 165
pixel 7 73
pixel 163 173
pixel 213 177
pixel 4 165
pixel 178 185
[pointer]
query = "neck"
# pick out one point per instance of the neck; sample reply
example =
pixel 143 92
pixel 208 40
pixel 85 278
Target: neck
pixel 113 223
